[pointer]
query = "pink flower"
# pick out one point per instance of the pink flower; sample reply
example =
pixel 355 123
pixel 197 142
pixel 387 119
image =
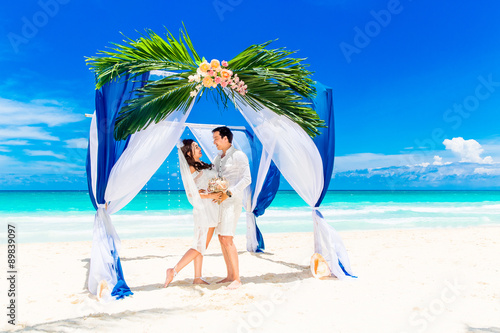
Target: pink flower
pixel 224 63
pixel 211 72
pixel 217 79
pixel 223 84
pixel 236 78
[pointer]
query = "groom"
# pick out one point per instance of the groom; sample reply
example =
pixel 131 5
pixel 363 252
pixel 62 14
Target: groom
pixel 233 165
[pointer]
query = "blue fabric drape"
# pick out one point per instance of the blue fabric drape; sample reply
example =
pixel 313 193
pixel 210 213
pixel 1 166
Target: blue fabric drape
pixel 89 178
pixel 108 102
pixel 269 190
pixel 270 186
pixel 325 142
pixel 266 196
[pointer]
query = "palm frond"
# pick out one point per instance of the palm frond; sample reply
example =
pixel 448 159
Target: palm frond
pixel 149 52
pixel 278 82
pixel 154 102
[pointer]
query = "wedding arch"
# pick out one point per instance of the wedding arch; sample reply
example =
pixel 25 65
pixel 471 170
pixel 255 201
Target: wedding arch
pixel 146 90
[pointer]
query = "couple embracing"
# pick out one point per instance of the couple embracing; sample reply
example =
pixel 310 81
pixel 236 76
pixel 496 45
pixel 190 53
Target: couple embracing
pixel 213 211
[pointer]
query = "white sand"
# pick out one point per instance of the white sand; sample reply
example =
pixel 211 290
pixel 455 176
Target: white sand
pixel 425 280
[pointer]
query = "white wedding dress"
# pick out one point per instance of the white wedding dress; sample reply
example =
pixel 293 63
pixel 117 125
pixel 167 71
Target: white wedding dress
pixel 205 211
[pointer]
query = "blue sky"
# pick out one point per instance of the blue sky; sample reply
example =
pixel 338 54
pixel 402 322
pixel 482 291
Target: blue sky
pixel 416 83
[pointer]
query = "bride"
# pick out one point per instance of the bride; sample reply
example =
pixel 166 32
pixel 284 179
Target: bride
pixel 195 176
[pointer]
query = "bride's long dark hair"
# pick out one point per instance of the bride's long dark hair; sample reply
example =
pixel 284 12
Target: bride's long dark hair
pixel 187 148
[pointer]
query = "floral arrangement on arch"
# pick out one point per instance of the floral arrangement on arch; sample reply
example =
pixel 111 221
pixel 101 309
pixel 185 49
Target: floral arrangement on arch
pixel 261 77
pixel 216 73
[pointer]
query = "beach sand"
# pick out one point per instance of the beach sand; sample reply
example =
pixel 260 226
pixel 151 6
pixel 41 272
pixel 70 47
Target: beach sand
pixel 418 280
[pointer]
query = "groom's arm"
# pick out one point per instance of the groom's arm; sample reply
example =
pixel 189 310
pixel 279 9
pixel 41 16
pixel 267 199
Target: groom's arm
pixel 244 176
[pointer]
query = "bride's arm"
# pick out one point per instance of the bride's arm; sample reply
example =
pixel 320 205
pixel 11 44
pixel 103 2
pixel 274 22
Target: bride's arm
pixel 206 195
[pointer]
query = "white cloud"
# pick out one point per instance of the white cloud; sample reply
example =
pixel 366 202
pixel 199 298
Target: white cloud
pixel 14 143
pixel 4 150
pixel 10 165
pixel 6 161
pixel 437 160
pixel 36 112
pixel 26 132
pixel 43 153
pixel 370 161
pixel 77 143
pixel 467 150
pixel 46 101
pixel 487 171
pixel 465 167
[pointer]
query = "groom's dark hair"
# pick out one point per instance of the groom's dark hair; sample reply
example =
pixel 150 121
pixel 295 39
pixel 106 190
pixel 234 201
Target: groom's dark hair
pixel 224 131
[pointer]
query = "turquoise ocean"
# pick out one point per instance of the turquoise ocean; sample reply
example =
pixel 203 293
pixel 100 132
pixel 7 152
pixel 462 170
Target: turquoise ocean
pixel 44 216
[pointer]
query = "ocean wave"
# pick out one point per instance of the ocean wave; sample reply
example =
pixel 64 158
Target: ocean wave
pixel 182 217
pixel 335 211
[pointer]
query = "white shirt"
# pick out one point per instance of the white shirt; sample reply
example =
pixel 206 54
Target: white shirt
pixel 235 168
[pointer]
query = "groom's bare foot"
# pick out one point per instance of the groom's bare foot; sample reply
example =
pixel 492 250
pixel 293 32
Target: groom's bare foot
pixel 169 278
pixel 234 285
pixel 200 281
pixel 225 280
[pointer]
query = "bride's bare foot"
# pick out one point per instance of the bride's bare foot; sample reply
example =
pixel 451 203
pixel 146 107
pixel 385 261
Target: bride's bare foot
pixel 200 281
pixel 170 276
pixel 234 285
pixel 225 280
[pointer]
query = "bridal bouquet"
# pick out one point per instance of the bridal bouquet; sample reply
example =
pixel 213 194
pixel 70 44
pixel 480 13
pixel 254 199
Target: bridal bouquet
pixel 217 184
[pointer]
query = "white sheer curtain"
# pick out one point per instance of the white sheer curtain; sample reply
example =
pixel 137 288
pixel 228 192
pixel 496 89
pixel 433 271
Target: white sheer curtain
pixel 299 161
pixel 145 152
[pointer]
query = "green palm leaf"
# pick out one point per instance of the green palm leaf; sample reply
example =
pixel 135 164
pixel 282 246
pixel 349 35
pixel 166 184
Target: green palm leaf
pixel 150 52
pixel 154 102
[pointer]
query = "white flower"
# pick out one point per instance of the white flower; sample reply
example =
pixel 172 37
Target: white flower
pixel 197 78
pixel 191 78
pixel 198 87
pixel 201 73
pixel 193 93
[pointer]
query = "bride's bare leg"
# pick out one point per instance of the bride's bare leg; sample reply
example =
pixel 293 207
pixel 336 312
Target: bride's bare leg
pixel 198 261
pixel 186 259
